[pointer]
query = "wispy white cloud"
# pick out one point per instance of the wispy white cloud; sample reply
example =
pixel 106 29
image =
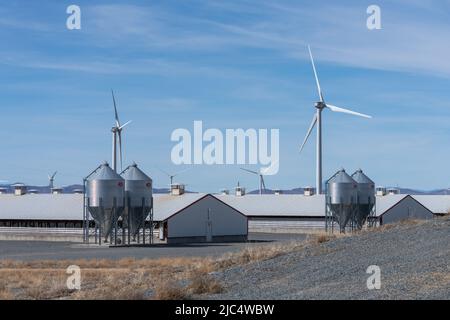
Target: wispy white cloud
pixel 339 33
pixel 101 65
pixel 234 63
pixel 19 21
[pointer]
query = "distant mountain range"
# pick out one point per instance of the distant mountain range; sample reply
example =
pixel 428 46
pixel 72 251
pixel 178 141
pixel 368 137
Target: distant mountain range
pixel 68 189
pixel 73 187
pixel 45 189
pixel 402 191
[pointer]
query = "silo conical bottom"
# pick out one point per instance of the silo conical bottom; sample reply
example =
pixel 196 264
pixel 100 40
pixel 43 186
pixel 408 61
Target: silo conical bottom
pixel 342 214
pixel 136 220
pixel 105 219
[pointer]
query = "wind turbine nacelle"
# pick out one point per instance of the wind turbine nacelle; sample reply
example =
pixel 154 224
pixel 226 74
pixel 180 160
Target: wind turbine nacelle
pixel 319 105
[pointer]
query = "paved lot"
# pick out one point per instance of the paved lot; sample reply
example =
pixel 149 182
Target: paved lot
pixel 41 250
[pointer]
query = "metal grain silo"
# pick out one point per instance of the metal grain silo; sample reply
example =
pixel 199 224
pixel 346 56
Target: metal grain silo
pixel 138 198
pixel 105 198
pixel 342 197
pixel 366 197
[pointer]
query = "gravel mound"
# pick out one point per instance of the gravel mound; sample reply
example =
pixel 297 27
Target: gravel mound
pixel 413 258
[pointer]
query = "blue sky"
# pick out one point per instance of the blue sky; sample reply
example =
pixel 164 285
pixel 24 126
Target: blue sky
pixel 231 64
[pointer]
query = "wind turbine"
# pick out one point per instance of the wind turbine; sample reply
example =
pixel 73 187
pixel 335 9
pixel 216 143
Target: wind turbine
pixel 171 176
pixel 51 179
pixel 317 119
pixel 261 173
pixel 117 133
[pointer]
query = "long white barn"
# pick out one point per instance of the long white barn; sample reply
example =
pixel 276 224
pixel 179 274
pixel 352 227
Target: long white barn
pixel 265 213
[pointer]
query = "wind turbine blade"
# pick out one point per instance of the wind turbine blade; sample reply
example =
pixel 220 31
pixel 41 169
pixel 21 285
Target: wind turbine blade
pixel 54 174
pixel 123 126
pixel 182 171
pixel 254 172
pixel 115 109
pixel 263 171
pixel 342 110
pixel 120 149
pixel 166 173
pixel 263 184
pixel 311 127
pixel 315 75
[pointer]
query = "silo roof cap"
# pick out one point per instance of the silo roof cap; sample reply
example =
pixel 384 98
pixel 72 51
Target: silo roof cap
pixel 360 177
pixel 134 173
pixel 105 173
pixel 341 177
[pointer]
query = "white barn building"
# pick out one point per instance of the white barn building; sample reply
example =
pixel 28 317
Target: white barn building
pixel 189 217
pixel 283 213
pixel 394 208
pixel 197 217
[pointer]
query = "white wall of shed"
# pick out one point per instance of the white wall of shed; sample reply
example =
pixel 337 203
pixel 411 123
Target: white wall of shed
pixel 285 225
pixel 191 222
pixel 408 208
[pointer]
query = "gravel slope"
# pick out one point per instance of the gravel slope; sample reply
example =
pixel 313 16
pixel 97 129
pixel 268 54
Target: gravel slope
pixel 414 261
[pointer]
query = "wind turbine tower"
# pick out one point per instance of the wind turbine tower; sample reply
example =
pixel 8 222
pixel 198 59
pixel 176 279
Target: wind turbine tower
pixel 51 180
pixel 171 176
pixel 260 174
pixel 117 137
pixel 317 119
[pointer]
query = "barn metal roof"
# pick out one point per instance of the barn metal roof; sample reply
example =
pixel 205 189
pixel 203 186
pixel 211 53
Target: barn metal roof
pixel 70 206
pixel 384 203
pixel 438 204
pixel 277 205
pixel 41 207
pixel 166 205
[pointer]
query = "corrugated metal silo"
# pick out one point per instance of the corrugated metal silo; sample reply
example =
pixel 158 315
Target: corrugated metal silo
pixel 342 197
pixel 366 197
pixel 139 198
pixel 105 196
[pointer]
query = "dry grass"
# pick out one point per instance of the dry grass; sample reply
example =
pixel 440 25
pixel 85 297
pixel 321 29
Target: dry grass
pixel 164 278
pixel 403 223
pixel 257 253
pixel 113 284
pixel 323 238
pixel 202 283
pixel 5 294
pixel 128 278
pixel 411 222
pixel 170 290
pixel 47 287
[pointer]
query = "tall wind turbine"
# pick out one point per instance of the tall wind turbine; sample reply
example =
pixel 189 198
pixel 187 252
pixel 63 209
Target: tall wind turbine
pixel 261 173
pixel 117 133
pixel 51 179
pixel 317 119
pixel 171 176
